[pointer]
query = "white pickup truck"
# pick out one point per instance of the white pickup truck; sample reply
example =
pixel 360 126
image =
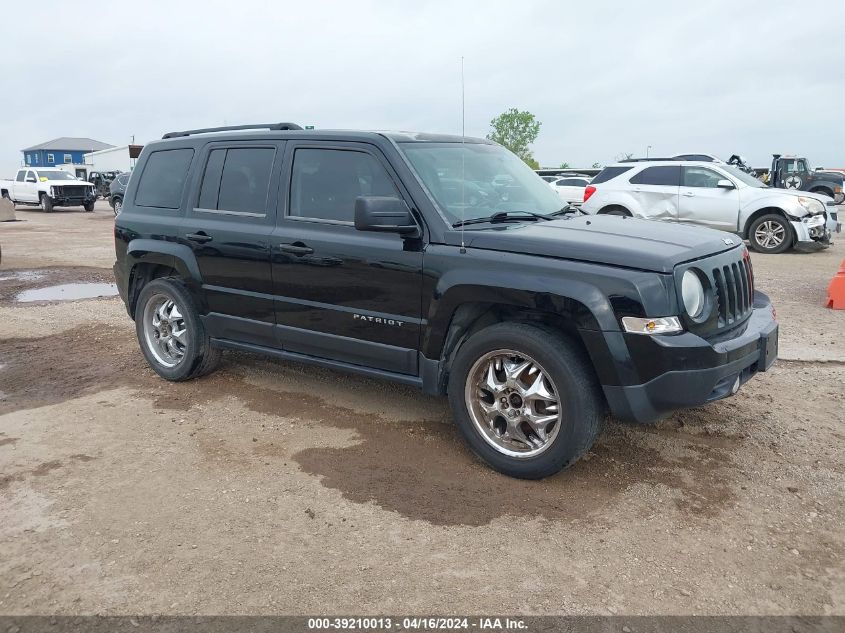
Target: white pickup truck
pixel 48 188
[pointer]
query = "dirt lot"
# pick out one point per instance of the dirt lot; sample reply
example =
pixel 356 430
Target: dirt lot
pixel 277 488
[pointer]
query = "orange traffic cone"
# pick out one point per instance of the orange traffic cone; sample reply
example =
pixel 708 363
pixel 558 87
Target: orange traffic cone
pixel 836 290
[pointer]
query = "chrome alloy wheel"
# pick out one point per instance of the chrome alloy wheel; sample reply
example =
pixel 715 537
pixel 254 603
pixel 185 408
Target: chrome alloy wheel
pixel 165 330
pixel 770 234
pixel 513 403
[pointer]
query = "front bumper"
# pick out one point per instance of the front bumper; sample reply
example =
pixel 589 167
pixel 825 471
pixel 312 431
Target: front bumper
pixel 685 370
pixel 811 232
pixel 72 201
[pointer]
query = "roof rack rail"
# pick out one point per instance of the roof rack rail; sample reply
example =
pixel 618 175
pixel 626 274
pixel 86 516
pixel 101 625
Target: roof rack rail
pixel 641 160
pixel 229 128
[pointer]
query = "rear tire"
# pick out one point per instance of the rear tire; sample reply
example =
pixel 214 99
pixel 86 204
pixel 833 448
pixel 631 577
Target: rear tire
pixel 508 429
pixel 173 339
pixel 46 203
pixel 117 205
pixel 770 233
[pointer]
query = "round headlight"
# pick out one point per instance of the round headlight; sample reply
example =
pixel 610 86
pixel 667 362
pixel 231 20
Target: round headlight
pixel 692 292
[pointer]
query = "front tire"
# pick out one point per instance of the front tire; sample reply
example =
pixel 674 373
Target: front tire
pixel 824 191
pixel 171 334
pixel 770 233
pixel 525 399
pixel 89 207
pixel 46 203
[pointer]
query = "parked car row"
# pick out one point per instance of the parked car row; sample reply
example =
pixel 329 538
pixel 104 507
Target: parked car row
pixel 51 188
pixel 571 188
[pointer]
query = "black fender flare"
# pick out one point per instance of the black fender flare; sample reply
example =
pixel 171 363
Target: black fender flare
pixel 177 256
pixel 526 290
pixel 583 304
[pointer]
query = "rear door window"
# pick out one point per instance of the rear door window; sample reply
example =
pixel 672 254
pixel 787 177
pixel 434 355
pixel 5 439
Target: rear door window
pixel 608 173
pixel 163 178
pixel 664 175
pixel 237 180
pixel 21 176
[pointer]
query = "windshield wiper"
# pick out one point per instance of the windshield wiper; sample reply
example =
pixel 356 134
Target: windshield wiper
pixel 565 211
pixel 503 216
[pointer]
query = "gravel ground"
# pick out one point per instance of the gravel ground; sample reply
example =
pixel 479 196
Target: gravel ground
pixel 121 493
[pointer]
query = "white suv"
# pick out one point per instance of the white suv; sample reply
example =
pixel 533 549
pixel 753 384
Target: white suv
pixel 717 196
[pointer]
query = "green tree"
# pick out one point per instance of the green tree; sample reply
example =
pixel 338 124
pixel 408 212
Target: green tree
pixel 516 130
pixel 596 165
pixel 564 166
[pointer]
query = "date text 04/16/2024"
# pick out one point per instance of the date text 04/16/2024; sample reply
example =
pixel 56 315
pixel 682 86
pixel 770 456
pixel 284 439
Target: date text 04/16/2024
pixel 416 623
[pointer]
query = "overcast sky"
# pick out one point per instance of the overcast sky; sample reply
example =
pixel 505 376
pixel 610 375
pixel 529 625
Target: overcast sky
pixel 602 77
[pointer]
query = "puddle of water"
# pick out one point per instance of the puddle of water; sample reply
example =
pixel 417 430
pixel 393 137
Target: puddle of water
pixel 68 292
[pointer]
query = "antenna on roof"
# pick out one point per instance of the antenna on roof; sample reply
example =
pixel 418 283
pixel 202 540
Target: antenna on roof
pixel 463 155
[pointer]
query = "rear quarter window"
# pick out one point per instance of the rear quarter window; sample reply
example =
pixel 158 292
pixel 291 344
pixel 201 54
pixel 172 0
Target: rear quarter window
pixel 666 175
pixel 163 178
pixel 608 173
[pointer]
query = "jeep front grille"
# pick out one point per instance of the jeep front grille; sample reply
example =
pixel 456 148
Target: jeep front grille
pixel 730 289
pixel 733 285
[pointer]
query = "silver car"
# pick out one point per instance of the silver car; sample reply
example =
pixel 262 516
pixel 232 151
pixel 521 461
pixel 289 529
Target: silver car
pixel 717 196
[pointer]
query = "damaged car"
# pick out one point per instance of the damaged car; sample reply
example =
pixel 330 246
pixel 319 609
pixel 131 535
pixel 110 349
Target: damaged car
pixel 717 196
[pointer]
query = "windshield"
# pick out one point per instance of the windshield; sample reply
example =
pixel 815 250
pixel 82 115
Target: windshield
pixel 740 175
pixel 56 175
pixel 474 180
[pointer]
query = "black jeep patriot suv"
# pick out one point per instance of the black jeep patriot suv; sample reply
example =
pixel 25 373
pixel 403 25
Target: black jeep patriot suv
pixel 436 261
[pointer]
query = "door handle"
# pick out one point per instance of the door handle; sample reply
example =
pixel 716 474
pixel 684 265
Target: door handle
pixel 200 237
pixel 296 249
pixel 688 194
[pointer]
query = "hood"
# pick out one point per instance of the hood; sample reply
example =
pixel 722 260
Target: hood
pixel 818 196
pixel 60 183
pixel 603 239
pixel 833 174
pixel 797 193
